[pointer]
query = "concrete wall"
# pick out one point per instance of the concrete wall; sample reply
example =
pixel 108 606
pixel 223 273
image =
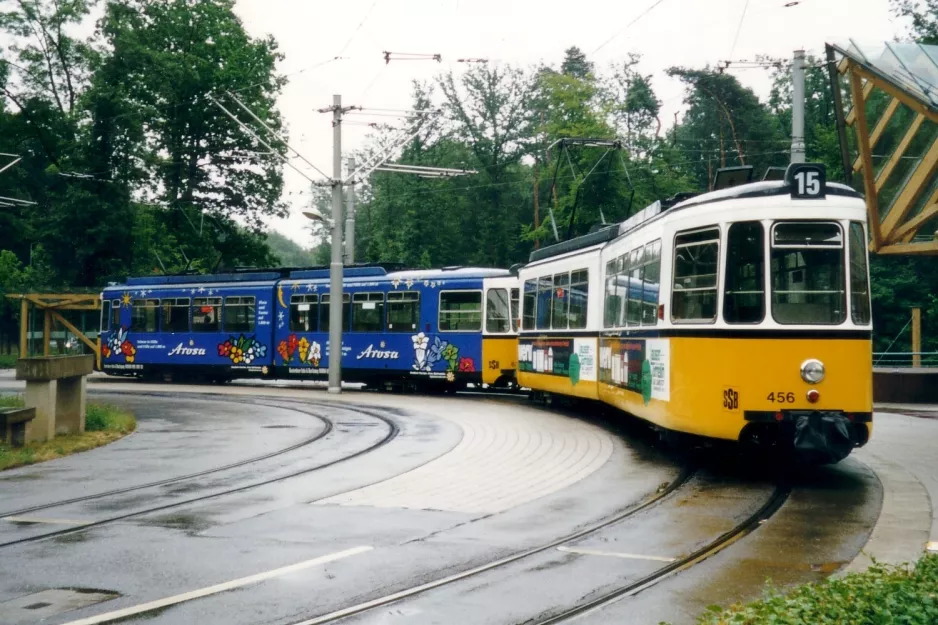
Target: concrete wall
pixel 905 386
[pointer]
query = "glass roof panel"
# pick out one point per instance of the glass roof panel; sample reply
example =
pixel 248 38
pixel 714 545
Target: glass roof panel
pixel 911 66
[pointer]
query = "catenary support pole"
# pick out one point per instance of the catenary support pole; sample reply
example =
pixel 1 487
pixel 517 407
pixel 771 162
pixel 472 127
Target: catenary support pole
pixel 350 218
pixel 797 108
pixel 335 267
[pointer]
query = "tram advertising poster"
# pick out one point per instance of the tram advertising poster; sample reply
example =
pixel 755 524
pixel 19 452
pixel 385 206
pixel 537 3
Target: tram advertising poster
pixel 639 365
pixel 569 358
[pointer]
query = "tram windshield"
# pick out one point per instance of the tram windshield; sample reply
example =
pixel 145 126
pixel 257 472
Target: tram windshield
pixel 808 285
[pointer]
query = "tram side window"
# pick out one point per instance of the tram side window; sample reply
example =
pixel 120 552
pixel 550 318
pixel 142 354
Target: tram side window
pixel 116 314
pixel 324 312
pixel 808 273
pixel 530 304
pixel 744 294
pixel 622 288
pixel 544 289
pixel 560 302
pixel 145 315
pixel 105 314
pixel 206 313
pixel 176 314
pixel 403 311
pixel 634 306
pixel 304 313
pixel 611 307
pixel 859 283
pixel 651 283
pixel 367 312
pixel 515 311
pixel 460 311
pixel 696 262
pixel 579 297
pixel 497 311
pixel 239 314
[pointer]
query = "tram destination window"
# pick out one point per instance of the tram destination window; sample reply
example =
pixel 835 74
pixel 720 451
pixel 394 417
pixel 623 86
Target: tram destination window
pixel 859 283
pixel 744 294
pixel 497 311
pixel 808 273
pixel 560 302
pixel 579 298
pixel 176 314
pixel 304 313
pixel 324 312
pixel 145 315
pixel 696 262
pixel 460 311
pixel 367 312
pixel 239 314
pixel 206 314
pixel 403 311
pixel 530 305
pixel 651 283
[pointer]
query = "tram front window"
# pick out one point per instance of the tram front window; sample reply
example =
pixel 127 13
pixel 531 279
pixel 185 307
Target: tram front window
pixel 808 284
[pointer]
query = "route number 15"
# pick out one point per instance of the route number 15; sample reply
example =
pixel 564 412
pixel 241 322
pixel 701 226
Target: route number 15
pixel 808 181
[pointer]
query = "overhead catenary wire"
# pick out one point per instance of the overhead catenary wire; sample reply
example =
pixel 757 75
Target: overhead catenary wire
pixel 739 27
pixel 627 26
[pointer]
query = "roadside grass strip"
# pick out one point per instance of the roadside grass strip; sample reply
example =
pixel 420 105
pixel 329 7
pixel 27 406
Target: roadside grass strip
pixel 103 424
pixel 882 595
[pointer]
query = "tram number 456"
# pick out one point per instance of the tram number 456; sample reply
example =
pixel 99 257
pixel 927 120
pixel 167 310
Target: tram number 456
pixel 781 397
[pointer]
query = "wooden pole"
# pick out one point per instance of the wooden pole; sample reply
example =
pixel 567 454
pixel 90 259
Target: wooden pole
pixel 24 328
pixel 46 332
pixel 916 337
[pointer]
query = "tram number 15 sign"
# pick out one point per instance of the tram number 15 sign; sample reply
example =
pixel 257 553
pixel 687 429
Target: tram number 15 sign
pixel 808 181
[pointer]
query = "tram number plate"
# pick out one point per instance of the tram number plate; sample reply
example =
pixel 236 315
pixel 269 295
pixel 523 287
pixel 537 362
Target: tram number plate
pixel 730 399
pixel 781 397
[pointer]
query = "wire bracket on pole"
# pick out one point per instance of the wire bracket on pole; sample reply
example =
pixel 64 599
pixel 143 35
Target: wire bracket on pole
pixel 409 56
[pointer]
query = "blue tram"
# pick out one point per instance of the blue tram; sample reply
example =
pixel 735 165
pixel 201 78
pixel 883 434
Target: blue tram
pixel 445 327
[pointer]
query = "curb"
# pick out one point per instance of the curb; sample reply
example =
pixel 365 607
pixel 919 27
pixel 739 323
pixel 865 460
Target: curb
pixel 904 524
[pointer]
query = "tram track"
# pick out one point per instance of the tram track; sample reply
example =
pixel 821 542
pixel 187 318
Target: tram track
pixel 683 478
pixel 393 431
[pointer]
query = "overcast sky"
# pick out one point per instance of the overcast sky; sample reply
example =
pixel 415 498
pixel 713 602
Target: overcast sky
pixel 523 32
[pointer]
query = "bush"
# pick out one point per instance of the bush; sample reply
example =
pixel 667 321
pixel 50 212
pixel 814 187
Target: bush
pixel 11 401
pixel 883 595
pixel 7 361
pixel 106 418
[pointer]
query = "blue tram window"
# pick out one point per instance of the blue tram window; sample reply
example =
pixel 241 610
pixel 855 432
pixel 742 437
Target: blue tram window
pixel 403 311
pixel 206 313
pixel 324 312
pixel 115 314
pixel 145 315
pixel 367 312
pixel 461 311
pixel 176 314
pixel 304 313
pixel 239 314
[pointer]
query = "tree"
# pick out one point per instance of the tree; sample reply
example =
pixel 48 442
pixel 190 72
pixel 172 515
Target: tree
pixel 575 64
pixel 923 15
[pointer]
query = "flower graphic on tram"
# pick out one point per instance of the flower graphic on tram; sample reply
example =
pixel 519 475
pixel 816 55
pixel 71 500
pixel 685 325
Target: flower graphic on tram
pixel 119 344
pixel 466 365
pixel 421 343
pixel 242 350
pixel 427 354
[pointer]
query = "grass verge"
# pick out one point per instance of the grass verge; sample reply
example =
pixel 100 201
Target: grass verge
pixel 882 595
pixel 103 424
pixel 7 361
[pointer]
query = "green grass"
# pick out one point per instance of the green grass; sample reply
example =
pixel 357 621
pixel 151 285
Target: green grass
pixel 103 424
pixel 7 361
pixel 883 595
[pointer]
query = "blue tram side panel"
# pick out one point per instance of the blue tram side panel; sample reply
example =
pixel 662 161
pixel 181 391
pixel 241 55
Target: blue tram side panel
pixel 412 325
pixel 214 325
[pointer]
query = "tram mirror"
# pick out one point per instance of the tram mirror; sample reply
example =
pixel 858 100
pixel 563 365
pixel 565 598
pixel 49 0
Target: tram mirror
pixel 732 176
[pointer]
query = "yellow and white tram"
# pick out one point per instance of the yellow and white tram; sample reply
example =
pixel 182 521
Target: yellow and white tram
pixel 741 314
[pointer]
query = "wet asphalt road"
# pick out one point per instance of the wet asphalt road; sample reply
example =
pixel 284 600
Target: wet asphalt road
pixel 259 515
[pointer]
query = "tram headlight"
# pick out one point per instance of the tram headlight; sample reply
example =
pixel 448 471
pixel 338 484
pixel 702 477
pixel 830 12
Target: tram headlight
pixel 812 371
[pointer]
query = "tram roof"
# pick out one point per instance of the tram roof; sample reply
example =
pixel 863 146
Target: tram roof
pixel 767 188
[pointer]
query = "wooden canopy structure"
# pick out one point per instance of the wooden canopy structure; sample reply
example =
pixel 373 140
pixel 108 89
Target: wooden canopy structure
pixel 52 306
pixel 893 91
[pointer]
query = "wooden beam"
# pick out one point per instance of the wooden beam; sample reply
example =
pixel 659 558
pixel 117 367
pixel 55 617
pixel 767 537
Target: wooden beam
pixel 910 228
pixel 46 333
pixel 913 188
pixel 81 336
pixel 880 128
pixel 867 88
pixel 909 100
pixel 24 328
pixel 869 185
pixel 916 337
pixel 924 248
pixel 897 154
